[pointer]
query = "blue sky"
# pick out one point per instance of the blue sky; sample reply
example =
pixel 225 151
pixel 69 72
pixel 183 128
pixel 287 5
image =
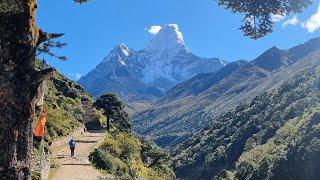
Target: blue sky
pixel 94 28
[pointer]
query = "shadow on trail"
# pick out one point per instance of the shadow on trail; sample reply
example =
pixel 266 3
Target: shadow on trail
pixel 103 130
pixel 62 156
pixel 92 136
pixel 74 164
pixel 86 141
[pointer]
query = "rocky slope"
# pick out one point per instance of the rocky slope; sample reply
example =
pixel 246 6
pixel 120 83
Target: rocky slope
pixel 145 75
pixel 67 104
pixel 275 136
pixel 191 104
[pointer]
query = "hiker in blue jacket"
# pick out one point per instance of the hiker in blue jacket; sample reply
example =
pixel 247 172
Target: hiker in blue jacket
pixel 72 145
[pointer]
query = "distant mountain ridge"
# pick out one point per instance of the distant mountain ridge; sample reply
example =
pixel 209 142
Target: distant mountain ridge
pixel 148 73
pixel 189 105
pixel 273 59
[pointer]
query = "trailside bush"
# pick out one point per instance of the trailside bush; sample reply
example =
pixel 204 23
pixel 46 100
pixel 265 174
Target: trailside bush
pixel 122 145
pixel 121 155
pixel 130 146
pixel 104 160
pixel 111 145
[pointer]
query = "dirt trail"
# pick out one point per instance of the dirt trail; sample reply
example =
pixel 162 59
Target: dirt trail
pixel 78 167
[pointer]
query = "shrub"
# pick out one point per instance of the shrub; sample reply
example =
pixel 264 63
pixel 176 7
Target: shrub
pixel 111 145
pixel 102 160
pixel 130 146
pixel 121 154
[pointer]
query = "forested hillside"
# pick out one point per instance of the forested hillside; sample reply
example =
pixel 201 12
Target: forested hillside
pixel 187 107
pixel 275 136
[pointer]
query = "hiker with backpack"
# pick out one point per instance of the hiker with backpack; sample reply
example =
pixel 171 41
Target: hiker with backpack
pixel 72 145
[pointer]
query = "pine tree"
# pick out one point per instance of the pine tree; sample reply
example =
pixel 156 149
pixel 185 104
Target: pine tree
pixel 113 109
pixel 257 21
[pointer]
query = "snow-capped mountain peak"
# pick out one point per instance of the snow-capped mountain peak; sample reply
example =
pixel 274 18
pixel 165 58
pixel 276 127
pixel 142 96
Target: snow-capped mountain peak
pixel 124 49
pixel 119 52
pixel 148 73
pixel 169 38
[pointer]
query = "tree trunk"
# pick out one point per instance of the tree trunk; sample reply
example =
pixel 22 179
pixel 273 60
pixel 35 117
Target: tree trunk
pixel 108 124
pixel 18 83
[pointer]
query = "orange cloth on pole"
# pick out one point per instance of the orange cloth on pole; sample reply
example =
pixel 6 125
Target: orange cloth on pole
pixel 39 131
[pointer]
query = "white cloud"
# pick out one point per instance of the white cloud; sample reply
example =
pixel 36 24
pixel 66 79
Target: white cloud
pixel 313 23
pixel 77 76
pixel 74 76
pixel 292 21
pixel 154 29
pixel 277 17
pixel 175 26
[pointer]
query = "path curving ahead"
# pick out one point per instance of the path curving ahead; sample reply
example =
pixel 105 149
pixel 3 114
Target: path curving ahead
pixel 78 167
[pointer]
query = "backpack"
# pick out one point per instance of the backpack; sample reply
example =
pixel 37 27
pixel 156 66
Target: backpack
pixel 72 144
